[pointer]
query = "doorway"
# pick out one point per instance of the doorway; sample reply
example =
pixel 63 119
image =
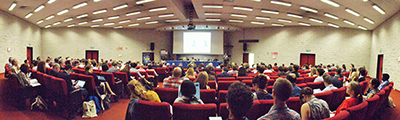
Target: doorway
pixel 92 54
pixel 379 67
pixel 245 57
pixel 307 58
pixel 29 54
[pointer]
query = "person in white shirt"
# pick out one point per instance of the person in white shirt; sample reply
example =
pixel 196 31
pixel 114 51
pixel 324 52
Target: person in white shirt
pixel 328 83
pixel 320 72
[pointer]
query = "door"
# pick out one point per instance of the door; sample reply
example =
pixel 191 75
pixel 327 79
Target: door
pixel 29 55
pixel 92 54
pixel 379 67
pixel 245 57
pixel 307 59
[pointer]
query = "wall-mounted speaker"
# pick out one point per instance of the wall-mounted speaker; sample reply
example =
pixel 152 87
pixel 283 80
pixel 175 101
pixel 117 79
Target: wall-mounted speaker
pixel 244 46
pixel 152 46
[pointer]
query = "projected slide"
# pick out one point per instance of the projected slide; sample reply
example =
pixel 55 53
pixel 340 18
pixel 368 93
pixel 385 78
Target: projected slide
pixel 196 42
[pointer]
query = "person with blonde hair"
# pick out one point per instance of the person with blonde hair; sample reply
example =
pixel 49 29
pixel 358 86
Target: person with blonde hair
pixel 355 92
pixel 138 91
pixel 313 72
pixel 190 73
pixel 202 78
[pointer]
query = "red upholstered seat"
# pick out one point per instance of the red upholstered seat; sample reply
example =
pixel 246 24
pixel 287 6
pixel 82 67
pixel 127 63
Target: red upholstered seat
pixel 144 73
pixel 294 104
pixel 212 84
pixel 252 114
pixel 208 95
pixel 146 110
pixel 265 106
pixel 221 96
pixel 300 80
pixel 309 79
pixel 184 111
pixel 74 76
pixel 89 83
pixel 59 86
pixel 331 73
pixel 223 85
pixel 226 78
pixel 47 82
pixel 270 82
pixel 192 79
pixel 346 74
pixel 372 102
pixel 364 86
pixel 327 96
pixel 344 115
pixel 316 85
pixel 382 98
pixel 244 78
pixel 135 74
pixel 269 89
pixel 167 94
pixel 247 82
pixel 338 96
pixel 274 77
pixel 302 85
pixel 122 75
pixel 358 112
pixel 217 70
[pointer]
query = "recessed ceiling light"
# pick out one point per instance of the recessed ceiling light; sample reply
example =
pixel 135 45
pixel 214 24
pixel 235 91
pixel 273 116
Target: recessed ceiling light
pixel 124 21
pixel 97 20
pixel 331 16
pixel 348 22
pixel 212 14
pixel 365 0
pixel 40 21
pixel 242 8
pixel 361 27
pixel 283 20
pixel 68 19
pixel 113 17
pixel 237 15
pixel 80 5
pixel 175 20
pixel 136 24
pixel 63 12
pixel 100 11
pixel 352 12
pixel 333 25
pixel 157 9
pixel 51 16
pixel 143 18
pixel 334 4
pixel 71 25
pixel 95 26
pixel 369 20
pixel 263 18
pixel 50 1
pixel 47 26
pixel 257 0
pixel 315 20
pixel 270 11
pixel 118 27
pixel 166 15
pixel 258 23
pixel 12 6
pixel 82 23
pixel 294 15
pixel 144 1
pixel 212 6
pixel 152 22
pixel 275 24
pixel 308 9
pixel 28 15
pixel 39 8
pixel 96 0
pixel 213 19
pixel 377 8
pixel 57 23
pixel 133 13
pixel 281 3
pixel 82 15
pixel 305 24
pixel 239 21
pixel 107 24
pixel 120 7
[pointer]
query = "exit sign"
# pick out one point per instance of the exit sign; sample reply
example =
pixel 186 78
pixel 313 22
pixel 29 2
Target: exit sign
pixel 91 47
pixel 308 50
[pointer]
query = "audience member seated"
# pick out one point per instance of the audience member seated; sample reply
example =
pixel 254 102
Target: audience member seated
pixel 173 81
pixel 104 67
pixel 320 72
pixel 362 74
pixel 48 62
pixel 282 71
pixel 34 63
pixel 353 77
pixel 41 67
pixel 138 91
pixel 269 69
pixel 188 90
pixel 89 71
pixel 190 73
pixel 335 79
pixel 313 108
pixel 71 86
pixel 343 68
pixel 259 83
pixel 126 69
pixel 313 72
pixel 296 90
pixel 328 83
pixel 373 88
pixel 224 73
pixel 354 90
pixel 133 69
pixel 240 100
pixel 7 67
pixel 150 68
pixel 295 70
pixel 113 68
pixel 234 70
pixel 202 78
pixel 242 72
pixel 15 65
pixel 385 81
pixel 281 92
pixel 55 71
pixel 210 71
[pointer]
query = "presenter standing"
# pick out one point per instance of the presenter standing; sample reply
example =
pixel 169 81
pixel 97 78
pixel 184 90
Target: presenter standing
pixel 226 59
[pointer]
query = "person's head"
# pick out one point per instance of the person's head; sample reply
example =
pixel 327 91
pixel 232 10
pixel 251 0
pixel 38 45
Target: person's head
pixel 239 99
pixel 260 81
pixel 104 67
pixel 137 90
pixel 190 72
pixel 354 76
pixel 114 64
pixel 385 77
pixel 282 89
pixel 306 94
pixel 177 72
pixel 150 66
pixel 209 68
pixel 133 65
pixel 320 72
pixel 292 78
pixel 94 63
pixel 24 68
pixel 68 68
pixel 202 78
pixel 188 89
pixel 327 80
pixel 235 68
pixel 225 69
pixel 34 62
pixel 41 67
pixel 56 67
pixel 354 90
pixel 281 69
pixel 260 68
pixel 344 67
pixel 296 68
pixel 126 68
pixel 362 71
pixel 374 83
pixel 313 71
pixel 48 60
pixel 14 62
pixel 338 71
pixel 88 69
pixel 352 65
pixel 242 72
pixel 10 59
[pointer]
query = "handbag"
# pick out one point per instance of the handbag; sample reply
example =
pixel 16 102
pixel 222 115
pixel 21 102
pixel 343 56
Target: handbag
pixel 89 109
pixel 39 104
pixel 106 102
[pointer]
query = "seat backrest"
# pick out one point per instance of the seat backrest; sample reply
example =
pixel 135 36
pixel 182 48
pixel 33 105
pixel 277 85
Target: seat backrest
pixel 331 73
pixel 135 74
pixel 161 70
pixel 167 94
pixel 60 86
pixel 47 81
pixel 208 95
pixel 265 106
pixel 273 77
pixel 248 82
pixel 337 97
pixel 343 115
pixel 252 114
pixel 225 78
pixel 300 80
pixel 221 96
pixel 270 82
pixel 223 85
pixel 372 102
pixel 244 78
pixel 302 85
pixel 150 72
pixel 109 77
pixel 146 110
pixel 358 112
pixel 315 85
pixel 143 72
pixel 327 96
pixel 382 98
pixel 40 78
pixel 269 88
pixel 308 79
pixel 89 82
pixel 184 111
pixel 212 84
pixel 122 75
pixel 74 76
pixel 294 104
pixel 364 86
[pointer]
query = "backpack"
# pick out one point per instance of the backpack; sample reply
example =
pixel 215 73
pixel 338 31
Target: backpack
pixel 96 102
pixel 39 104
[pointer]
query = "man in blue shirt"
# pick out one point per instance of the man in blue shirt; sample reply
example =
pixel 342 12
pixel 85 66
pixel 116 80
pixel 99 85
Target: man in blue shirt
pixel 385 81
pixel 296 90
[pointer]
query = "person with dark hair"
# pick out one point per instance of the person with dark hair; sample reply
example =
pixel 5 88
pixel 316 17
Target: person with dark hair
pixel 48 62
pixel 175 80
pixel 354 90
pixel 320 72
pixel 313 108
pixel 104 67
pixel 242 72
pixel 373 88
pixel 224 73
pixel 296 90
pixel 34 63
pixel 335 79
pixel 275 64
pixel 89 71
pixel 385 81
pixel 210 71
pixel 72 86
pixel 240 100
pixel 281 92
pixel 343 68
pixel 234 70
pixel 362 74
pixel 188 90
pixel 259 83
pixel 55 71
pixel 295 70
pixel 22 76
pixel 328 83
pixel 113 68
pixel 41 67
pixel 282 71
